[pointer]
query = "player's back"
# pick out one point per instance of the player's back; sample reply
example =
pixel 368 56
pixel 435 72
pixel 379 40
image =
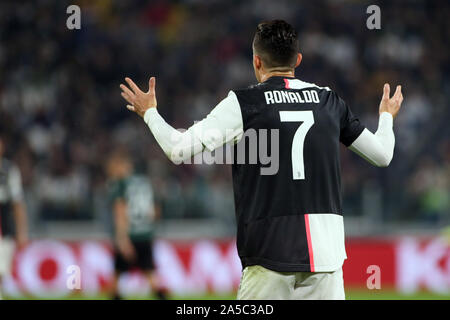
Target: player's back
pixel 290 219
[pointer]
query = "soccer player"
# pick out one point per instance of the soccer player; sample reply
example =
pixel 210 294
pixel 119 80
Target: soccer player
pixel 13 217
pixel 290 230
pixel 131 199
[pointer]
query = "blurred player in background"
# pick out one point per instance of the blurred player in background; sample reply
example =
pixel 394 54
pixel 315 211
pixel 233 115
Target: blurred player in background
pixel 13 217
pixel 134 215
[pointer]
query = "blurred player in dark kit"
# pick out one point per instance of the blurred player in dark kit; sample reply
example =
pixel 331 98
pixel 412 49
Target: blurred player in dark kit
pixel 134 214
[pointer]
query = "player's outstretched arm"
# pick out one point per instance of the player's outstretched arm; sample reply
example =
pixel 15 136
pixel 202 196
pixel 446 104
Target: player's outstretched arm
pixel 378 148
pixel 223 124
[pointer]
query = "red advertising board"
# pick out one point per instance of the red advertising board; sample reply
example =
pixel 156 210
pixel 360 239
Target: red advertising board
pixel 43 268
pixel 364 253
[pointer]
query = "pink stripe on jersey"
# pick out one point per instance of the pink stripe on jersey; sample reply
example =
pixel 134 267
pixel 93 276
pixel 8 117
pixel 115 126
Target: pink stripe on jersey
pixel 286 83
pixel 308 238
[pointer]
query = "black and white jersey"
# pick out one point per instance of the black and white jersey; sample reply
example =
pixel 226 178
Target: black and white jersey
pixel 10 192
pixel 292 220
pixel 286 170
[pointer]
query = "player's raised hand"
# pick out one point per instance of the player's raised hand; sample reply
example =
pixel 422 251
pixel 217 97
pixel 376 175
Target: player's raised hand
pixel 391 105
pixel 138 100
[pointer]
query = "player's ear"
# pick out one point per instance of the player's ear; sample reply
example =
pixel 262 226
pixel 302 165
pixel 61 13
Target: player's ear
pixel 257 62
pixel 299 59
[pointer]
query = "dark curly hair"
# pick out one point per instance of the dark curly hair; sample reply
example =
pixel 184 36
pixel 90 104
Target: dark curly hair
pixel 276 43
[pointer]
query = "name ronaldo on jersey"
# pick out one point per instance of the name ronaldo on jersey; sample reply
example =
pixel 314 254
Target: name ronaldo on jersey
pixel 278 96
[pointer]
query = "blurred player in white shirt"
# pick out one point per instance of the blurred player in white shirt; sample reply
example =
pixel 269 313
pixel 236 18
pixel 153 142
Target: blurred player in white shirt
pixel 12 212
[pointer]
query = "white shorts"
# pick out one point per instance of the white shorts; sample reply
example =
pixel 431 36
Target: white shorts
pixel 6 255
pixel 259 283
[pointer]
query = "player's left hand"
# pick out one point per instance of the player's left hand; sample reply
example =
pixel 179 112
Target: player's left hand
pixel 391 105
pixel 139 101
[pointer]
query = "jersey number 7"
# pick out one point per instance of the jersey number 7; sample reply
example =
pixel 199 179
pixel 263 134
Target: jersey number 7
pixel 307 119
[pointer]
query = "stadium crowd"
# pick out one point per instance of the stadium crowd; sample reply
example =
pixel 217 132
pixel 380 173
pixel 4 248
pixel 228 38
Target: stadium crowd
pixel 61 113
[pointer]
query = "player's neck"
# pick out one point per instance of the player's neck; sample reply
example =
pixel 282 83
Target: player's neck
pixel 276 73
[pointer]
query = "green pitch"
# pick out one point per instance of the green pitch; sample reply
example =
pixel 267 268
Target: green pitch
pixel 351 294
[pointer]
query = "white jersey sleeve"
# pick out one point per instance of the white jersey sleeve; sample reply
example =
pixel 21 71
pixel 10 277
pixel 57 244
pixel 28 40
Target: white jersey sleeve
pixel 222 125
pixel 378 148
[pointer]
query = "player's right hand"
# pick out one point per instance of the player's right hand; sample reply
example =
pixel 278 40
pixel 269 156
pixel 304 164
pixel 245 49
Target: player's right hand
pixel 138 100
pixel 391 105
